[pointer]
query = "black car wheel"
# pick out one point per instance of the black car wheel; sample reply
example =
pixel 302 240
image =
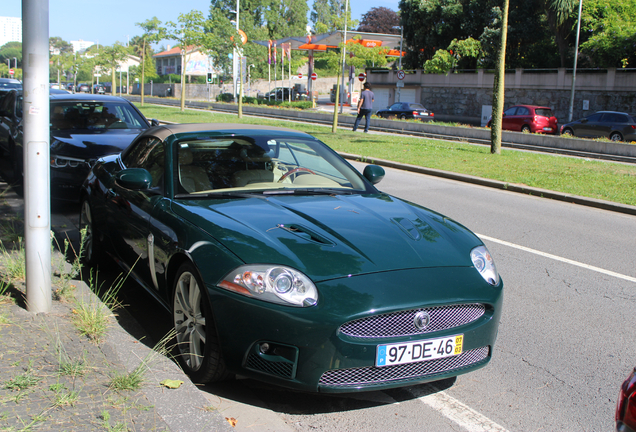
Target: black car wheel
pixel 615 136
pixel 198 345
pixel 402 116
pixel 89 249
pixel 567 132
pixel 526 129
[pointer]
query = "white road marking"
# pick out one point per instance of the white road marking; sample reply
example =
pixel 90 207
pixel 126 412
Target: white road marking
pixel 460 413
pixel 558 258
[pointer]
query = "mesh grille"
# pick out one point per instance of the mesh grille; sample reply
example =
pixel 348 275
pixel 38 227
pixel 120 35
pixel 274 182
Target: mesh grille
pixel 402 323
pixel 375 375
pixel 281 369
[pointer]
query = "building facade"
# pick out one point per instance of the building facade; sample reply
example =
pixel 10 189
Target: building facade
pixel 10 30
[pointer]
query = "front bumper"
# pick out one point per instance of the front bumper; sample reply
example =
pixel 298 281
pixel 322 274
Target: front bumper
pixel 308 350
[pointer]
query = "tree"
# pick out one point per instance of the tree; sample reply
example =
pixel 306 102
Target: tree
pixel 153 33
pixel 11 51
pixel 380 20
pixel 499 87
pixel 446 60
pixel 608 33
pixel 60 44
pixel 190 34
pixel 323 13
pixel 111 57
pixel 560 15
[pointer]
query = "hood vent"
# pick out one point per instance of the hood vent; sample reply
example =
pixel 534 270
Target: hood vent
pixel 306 234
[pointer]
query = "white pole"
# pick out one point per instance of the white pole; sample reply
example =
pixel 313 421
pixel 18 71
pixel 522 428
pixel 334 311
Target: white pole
pixel 37 204
pixel 400 61
pixel 344 52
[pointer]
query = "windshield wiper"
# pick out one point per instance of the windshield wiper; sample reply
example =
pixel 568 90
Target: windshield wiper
pixel 310 191
pixel 219 195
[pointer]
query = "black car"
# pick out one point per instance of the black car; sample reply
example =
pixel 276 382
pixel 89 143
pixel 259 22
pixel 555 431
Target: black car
pixel 84 127
pixel 83 88
pixel 8 84
pixel 279 93
pixel 617 126
pixel 406 110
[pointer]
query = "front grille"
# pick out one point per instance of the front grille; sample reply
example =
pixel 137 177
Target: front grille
pixel 378 375
pixel 402 323
pixel 277 368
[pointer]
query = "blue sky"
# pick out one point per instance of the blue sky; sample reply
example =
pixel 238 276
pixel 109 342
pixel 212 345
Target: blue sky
pixel 114 20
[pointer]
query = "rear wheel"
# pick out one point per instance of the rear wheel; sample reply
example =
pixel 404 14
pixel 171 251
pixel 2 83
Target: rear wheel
pixel 567 132
pixel 89 250
pixel 526 129
pixel 197 342
pixel 615 136
pixel 402 116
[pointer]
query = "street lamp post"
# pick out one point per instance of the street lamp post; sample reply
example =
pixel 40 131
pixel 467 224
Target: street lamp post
pixel 576 55
pixel 249 80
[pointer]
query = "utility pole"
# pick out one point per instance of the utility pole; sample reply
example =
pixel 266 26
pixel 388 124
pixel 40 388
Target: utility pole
pixel 37 204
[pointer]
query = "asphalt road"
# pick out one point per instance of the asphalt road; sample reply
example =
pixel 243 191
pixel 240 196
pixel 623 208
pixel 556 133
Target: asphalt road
pixel 566 338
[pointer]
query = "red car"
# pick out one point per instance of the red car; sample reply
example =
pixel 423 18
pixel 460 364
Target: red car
pixel 626 406
pixel 529 118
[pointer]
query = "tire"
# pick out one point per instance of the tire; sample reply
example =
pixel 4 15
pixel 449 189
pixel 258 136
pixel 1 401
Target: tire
pixel 616 136
pixel 198 347
pixel 525 129
pixel 90 249
pixel 402 117
pixel 568 132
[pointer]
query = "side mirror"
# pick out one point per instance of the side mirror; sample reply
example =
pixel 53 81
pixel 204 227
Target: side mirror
pixel 154 122
pixel 373 173
pixel 134 179
pixel 584 120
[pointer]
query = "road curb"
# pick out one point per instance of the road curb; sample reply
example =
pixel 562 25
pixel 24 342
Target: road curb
pixel 182 409
pixel 526 190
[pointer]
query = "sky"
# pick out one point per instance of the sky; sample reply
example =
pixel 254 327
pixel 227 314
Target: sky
pixel 114 20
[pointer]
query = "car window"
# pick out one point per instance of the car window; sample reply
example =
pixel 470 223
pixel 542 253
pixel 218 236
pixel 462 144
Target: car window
pixel 262 163
pixel 522 111
pixel 545 112
pixel 416 106
pixel 94 115
pixel 594 117
pixel 396 106
pixel 615 118
pixel 510 111
pixel 148 153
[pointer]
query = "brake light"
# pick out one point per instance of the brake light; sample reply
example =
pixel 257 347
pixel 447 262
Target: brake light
pixel 626 406
pixel 431 114
pixel 415 113
pixel 633 126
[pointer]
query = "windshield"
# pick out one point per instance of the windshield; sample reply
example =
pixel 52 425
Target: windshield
pixel 94 115
pixel 546 112
pixel 262 164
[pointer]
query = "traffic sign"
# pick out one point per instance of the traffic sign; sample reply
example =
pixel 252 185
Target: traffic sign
pixel 11 72
pixel 400 74
pixel 362 76
pixel 300 75
pixel 314 76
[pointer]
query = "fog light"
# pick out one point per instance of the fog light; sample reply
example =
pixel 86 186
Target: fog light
pixel 264 347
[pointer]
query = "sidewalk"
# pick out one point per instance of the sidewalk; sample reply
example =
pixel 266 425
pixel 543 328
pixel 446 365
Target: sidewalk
pixel 54 379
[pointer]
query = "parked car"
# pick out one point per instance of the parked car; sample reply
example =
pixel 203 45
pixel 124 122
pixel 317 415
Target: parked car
pixel 300 92
pixel 83 128
pixel 8 84
pixel 529 118
pixel 99 89
pixel 617 126
pixel 406 110
pixel 279 93
pixel 280 262
pixel 83 88
pixel 626 405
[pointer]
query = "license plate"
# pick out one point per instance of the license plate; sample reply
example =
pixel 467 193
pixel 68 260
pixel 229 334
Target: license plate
pixel 549 129
pixel 411 352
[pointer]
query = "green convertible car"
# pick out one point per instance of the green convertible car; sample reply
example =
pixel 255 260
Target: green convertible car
pixel 280 262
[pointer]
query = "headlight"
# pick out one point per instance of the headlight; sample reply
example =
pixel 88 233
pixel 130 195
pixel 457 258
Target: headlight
pixel 64 161
pixel 485 265
pixel 275 284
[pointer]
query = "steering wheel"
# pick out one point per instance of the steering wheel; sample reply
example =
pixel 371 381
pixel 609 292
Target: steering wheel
pixel 295 170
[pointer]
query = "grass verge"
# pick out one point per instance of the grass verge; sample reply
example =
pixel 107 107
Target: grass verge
pixel 603 180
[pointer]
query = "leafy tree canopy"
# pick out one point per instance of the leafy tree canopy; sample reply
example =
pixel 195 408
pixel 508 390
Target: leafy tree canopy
pixel 9 51
pixel 380 20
